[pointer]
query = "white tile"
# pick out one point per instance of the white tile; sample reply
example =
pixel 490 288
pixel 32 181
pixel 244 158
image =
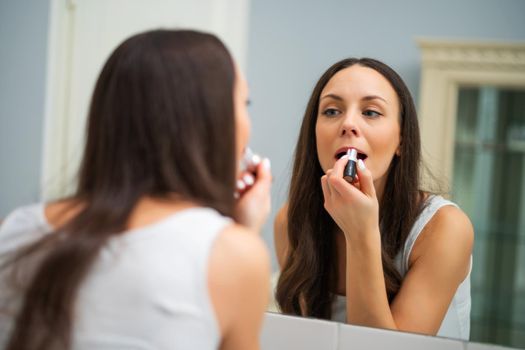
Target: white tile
pixel 289 333
pixel 364 338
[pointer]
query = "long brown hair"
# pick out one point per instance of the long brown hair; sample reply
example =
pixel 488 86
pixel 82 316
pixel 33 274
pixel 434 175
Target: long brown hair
pixel 308 274
pixel 161 111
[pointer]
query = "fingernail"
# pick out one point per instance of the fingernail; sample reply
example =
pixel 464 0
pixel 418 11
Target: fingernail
pixel 240 185
pixel 361 164
pixel 256 159
pixel 266 163
pixel 248 179
pixel 346 156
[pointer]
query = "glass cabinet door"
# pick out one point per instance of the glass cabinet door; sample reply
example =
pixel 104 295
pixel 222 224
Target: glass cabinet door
pixel 489 185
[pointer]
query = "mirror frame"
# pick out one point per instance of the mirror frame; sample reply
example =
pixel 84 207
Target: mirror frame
pixel 446 66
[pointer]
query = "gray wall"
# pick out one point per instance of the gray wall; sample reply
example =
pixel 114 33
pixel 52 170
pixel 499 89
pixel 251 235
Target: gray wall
pixel 23 57
pixel 292 42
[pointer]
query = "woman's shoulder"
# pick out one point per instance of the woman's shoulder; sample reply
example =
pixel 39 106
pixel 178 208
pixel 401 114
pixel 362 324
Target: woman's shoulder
pixel 448 230
pixel 444 218
pixel 450 222
pixel 435 210
pixel 240 242
pixel 238 276
pixel 60 212
pixel 240 251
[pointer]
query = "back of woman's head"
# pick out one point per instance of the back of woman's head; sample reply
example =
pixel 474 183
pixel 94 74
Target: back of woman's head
pixel 161 122
pixel 161 113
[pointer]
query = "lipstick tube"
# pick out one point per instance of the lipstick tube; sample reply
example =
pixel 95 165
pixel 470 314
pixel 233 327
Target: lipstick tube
pixel 351 167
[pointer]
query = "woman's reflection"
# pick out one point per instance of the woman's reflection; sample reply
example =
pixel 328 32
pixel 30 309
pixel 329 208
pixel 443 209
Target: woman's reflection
pixel 377 251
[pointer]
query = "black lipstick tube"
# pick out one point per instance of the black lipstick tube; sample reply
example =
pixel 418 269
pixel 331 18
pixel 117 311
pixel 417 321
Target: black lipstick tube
pixel 351 166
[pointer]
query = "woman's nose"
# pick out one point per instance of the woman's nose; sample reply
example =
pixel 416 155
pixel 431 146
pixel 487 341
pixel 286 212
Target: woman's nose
pixel 349 125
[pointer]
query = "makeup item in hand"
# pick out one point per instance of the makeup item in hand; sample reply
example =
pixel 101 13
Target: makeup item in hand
pixel 350 171
pixel 249 162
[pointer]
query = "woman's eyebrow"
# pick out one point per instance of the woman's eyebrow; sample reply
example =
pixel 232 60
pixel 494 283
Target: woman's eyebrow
pixel 366 98
pixel 335 97
pixel 374 97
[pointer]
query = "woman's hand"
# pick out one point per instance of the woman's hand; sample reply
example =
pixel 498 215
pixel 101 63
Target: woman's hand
pixel 253 195
pixel 354 207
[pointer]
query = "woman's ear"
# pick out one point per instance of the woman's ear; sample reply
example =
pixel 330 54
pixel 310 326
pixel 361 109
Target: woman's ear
pixel 398 149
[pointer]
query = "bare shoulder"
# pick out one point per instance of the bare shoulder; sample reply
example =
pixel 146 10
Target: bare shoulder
pixel 440 261
pixel 448 235
pixel 60 212
pixel 241 245
pixel 451 225
pixel 238 278
pixel 280 232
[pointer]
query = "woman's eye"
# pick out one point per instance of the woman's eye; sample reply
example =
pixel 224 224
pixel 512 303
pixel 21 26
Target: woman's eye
pixel 331 112
pixel 371 113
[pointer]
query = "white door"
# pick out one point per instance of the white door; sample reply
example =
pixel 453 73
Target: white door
pixel 82 35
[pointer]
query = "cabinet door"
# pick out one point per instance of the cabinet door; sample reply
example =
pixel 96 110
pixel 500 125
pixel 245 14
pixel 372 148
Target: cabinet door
pixel 489 184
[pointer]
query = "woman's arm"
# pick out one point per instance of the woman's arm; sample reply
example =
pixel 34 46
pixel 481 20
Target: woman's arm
pixel 439 262
pixel 438 266
pixel 280 234
pixel 238 280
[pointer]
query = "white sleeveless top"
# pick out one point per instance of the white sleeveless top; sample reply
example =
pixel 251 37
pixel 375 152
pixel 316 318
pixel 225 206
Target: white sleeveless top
pixel 147 290
pixel 456 323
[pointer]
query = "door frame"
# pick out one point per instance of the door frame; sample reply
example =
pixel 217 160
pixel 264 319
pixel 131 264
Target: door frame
pixel 68 87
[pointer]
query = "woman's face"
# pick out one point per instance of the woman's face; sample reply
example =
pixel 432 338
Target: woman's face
pixel 242 120
pixel 358 108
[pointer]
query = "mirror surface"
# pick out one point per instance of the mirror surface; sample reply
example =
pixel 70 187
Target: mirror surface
pixel 287 46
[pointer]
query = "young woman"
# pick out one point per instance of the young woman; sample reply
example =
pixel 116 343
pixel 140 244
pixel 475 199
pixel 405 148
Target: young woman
pixel 152 251
pixel 379 251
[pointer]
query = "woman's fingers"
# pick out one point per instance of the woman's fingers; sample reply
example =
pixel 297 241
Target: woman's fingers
pixel 253 205
pixel 339 166
pixel 336 181
pixel 365 179
pixel 325 187
pixel 264 173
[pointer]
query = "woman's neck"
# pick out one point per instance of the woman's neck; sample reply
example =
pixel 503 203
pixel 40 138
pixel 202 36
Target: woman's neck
pixel 150 210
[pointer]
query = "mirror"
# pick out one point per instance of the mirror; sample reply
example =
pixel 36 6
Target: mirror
pixel 290 55
pixel 283 47
pixel 489 182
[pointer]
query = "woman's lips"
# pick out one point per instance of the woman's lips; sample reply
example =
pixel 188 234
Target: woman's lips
pixel 342 151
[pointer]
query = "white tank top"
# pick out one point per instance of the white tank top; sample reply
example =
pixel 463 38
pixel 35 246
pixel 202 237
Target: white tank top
pixel 456 323
pixel 147 290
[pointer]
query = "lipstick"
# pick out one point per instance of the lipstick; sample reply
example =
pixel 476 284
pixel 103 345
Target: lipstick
pixel 351 166
pixel 250 160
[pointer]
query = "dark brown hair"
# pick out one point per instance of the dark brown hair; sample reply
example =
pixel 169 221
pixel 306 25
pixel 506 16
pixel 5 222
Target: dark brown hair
pixel 161 111
pixel 308 275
